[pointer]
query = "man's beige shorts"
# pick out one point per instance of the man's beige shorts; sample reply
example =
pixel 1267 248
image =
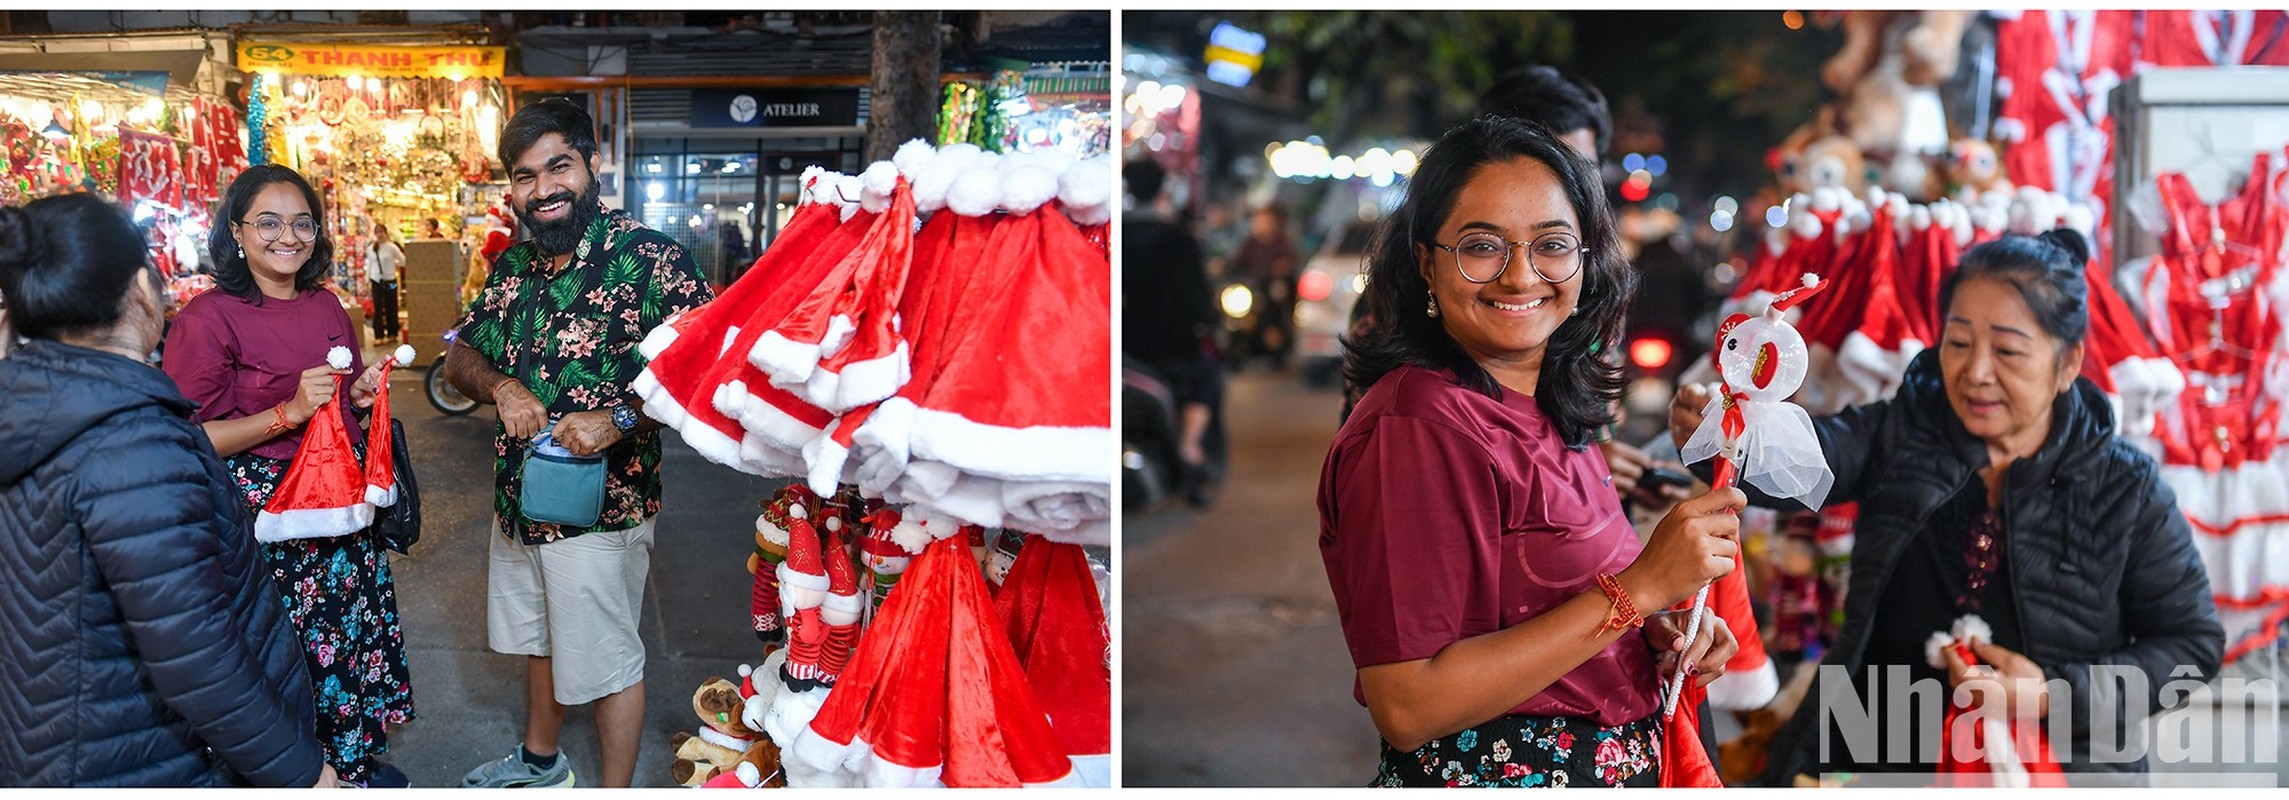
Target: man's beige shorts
pixel 575 602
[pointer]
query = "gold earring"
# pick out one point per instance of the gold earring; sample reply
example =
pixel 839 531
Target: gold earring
pixel 1434 307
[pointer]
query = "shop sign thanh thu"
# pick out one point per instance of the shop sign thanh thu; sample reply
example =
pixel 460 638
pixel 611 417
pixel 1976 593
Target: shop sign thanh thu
pixel 301 58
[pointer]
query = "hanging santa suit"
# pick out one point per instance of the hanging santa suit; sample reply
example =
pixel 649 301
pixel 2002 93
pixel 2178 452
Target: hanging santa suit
pixel 2183 38
pixel 2054 72
pixel 2220 275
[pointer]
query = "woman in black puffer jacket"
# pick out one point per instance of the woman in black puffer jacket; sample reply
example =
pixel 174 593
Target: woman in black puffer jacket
pixel 1993 484
pixel 140 641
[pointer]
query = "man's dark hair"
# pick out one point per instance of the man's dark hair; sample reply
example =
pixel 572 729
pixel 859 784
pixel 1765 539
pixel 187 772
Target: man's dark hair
pixel 555 115
pixel 232 275
pixel 1561 102
pixel 65 262
pixel 1145 178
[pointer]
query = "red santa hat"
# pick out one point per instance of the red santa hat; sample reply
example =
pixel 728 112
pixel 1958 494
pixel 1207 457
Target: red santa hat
pixel 381 458
pixel 1048 603
pixel 821 321
pixel 2002 752
pixel 324 491
pixel 675 384
pixel 1016 420
pixel 896 719
pixel 874 362
pixel 946 282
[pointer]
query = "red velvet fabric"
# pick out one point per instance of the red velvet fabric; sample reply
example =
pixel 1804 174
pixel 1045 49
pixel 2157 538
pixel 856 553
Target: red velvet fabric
pixel 1057 626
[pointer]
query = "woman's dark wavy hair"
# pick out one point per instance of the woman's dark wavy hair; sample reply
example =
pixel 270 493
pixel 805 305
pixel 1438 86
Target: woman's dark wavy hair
pixel 232 274
pixel 2047 269
pixel 1578 386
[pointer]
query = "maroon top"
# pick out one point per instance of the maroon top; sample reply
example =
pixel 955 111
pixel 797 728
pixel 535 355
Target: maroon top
pixel 1444 514
pixel 235 358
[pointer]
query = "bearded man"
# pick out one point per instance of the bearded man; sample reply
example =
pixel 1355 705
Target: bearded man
pixel 552 343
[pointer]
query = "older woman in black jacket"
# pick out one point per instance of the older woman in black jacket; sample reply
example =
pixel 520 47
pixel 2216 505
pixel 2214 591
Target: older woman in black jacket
pixel 140 644
pixel 1993 484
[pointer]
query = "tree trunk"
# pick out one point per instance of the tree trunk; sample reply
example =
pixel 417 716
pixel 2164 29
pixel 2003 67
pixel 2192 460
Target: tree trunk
pixel 904 102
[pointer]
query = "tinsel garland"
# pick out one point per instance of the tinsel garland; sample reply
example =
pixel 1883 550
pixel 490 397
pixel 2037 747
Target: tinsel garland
pixel 257 113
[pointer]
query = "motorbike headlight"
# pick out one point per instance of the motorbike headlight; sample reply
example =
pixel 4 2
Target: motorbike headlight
pixel 1237 301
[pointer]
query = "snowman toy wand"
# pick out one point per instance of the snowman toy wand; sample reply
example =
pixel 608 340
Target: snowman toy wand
pixel 1752 429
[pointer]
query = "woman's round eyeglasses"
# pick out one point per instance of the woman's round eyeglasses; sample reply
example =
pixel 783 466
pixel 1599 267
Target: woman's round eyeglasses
pixel 1482 257
pixel 270 228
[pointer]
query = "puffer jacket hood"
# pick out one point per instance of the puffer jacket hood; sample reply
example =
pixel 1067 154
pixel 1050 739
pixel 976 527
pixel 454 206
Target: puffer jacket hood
pixel 51 393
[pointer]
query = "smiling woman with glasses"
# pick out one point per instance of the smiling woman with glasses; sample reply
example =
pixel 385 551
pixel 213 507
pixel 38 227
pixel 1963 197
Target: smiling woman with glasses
pixel 1505 620
pixel 253 357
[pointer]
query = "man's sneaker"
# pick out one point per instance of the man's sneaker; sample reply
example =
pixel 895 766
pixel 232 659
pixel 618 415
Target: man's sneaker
pixel 513 773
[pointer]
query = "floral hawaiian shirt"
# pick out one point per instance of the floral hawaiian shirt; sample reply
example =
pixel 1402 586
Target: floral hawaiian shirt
pixel 570 335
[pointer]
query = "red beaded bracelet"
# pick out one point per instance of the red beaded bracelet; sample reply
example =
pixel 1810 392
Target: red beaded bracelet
pixel 1625 614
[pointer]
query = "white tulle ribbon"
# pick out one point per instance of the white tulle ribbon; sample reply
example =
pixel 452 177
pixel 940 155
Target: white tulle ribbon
pixel 1781 453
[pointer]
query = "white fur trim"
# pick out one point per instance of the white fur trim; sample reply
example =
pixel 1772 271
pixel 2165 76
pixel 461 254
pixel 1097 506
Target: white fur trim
pixel 1095 772
pixel 880 446
pixel 791 579
pixel 1057 508
pixel 944 491
pixel 724 740
pixel 841 609
pixel 1096 533
pixel 1827 198
pixel 974 193
pixel 1036 453
pixel 826 459
pixel 770 533
pixel 870 381
pixel 1026 188
pixel 816 751
pixel 338 357
pixel 312 523
pixel 657 341
pixel 1050 159
pixel 381 497
pixel 749 776
pixel 781 357
pixel 790 714
pixel 1745 691
pixel 840 328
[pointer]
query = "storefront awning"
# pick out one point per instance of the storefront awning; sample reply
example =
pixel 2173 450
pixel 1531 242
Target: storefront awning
pixel 180 66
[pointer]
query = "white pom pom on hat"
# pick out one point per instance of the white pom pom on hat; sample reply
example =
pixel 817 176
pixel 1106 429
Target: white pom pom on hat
pixel 876 184
pixel 338 357
pixel 1027 187
pixel 1087 191
pixel 403 354
pixel 976 192
pixel 914 159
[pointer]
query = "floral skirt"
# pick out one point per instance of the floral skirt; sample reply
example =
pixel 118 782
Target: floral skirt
pixel 340 598
pixel 1519 750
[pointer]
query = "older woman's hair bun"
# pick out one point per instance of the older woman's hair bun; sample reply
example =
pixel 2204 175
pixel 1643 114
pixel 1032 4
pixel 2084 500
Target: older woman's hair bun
pixel 20 240
pixel 2070 240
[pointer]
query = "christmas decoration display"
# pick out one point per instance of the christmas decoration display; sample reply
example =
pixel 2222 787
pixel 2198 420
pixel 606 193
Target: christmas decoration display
pixel 905 350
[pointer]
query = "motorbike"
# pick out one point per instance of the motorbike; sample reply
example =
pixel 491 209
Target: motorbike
pixel 1151 472
pixel 442 395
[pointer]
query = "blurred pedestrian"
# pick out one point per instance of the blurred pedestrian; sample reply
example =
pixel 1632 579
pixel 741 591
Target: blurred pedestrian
pixel 1490 588
pixel 1267 261
pixel 1169 316
pixel 552 343
pixel 144 644
pixel 381 280
pixel 252 356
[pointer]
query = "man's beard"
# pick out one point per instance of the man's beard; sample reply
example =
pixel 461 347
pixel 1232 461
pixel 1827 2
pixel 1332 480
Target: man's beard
pixel 559 237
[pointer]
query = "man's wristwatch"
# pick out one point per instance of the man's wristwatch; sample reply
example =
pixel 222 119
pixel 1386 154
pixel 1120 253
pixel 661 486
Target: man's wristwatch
pixel 624 419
